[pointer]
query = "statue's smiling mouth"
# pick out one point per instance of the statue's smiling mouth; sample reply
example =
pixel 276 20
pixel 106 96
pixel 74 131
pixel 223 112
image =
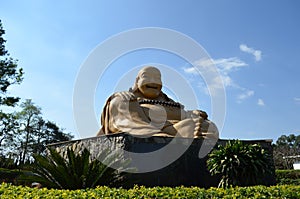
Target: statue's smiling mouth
pixel 152 86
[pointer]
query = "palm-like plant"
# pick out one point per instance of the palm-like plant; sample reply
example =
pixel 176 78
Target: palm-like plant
pixel 239 164
pixel 78 171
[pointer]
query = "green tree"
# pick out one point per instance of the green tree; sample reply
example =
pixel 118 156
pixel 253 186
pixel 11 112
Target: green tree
pixel 24 132
pixel 28 118
pixel 8 128
pixel 291 141
pixel 239 164
pixel 10 74
pixel 285 151
pixel 48 133
pixel 34 133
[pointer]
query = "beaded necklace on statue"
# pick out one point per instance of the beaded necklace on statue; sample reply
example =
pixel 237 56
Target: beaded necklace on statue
pixel 163 103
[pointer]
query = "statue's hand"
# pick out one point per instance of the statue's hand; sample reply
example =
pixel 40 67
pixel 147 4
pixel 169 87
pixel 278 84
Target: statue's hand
pixel 196 127
pixel 198 124
pixel 204 115
pixel 199 113
pixel 206 129
pixel 126 96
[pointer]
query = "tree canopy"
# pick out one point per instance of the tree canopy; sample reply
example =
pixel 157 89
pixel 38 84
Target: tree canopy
pixel 291 141
pixel 9 73
pixel 285 151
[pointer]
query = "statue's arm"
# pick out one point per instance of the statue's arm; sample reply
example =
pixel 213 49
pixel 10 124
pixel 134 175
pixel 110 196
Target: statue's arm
pixel 194 123
pixel 126 115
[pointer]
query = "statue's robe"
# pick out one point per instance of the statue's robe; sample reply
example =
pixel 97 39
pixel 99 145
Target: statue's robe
pixel 128 115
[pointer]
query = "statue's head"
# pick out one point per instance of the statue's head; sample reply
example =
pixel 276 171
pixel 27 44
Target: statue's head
pixel 148 82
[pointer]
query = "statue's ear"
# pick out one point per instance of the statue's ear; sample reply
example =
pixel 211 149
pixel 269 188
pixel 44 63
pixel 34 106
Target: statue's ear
pixel 135 86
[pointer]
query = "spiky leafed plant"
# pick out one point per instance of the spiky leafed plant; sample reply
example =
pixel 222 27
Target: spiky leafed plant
pixel 77 171
pixel 239 164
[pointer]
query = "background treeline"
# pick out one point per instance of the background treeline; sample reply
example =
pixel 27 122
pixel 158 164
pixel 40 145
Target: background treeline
pixel 286 151
pixel 23 130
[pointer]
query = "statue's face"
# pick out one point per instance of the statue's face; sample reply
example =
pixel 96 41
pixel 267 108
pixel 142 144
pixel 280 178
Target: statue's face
pixel 149 82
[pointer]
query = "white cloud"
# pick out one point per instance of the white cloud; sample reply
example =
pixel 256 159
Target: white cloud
pixel 246 94
pixel 297 100
pixel 191 70
pixel 255 53
pixel 224 67
pixel 227 65
pixel 260 102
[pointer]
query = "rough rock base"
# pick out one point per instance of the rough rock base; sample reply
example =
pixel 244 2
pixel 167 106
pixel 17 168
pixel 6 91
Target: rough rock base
pixel 187 170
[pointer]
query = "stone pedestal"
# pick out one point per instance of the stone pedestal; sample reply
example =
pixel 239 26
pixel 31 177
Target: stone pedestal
pixel 187 170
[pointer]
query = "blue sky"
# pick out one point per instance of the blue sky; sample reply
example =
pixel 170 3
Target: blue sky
pixel 254 44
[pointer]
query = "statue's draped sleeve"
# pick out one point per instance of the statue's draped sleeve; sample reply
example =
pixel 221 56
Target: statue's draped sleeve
pixel 125 115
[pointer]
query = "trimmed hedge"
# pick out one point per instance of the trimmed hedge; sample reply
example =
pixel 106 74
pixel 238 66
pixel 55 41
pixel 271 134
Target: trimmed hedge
pixel 291 177
pixel 279 191
pixel 9 175
pixel 14 176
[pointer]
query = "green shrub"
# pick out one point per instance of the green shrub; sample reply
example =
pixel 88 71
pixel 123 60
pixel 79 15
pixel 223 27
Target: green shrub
pixel 6 162
pixel 291 177
pixel 239 164
pixel 7 175
pixel 280 191
pixel 77 171
pixel 291 174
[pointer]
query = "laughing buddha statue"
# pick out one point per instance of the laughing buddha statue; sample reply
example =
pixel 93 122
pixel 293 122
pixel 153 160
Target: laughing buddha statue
pixel 146 111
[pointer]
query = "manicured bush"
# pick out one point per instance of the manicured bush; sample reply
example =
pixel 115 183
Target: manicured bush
pixel 291 177
pixel 15 176
pixel 8 175
pixel 280 191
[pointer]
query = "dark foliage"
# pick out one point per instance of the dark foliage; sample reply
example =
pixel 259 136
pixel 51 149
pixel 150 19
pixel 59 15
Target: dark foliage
pixel 9 73
pixel 239 164
pixel 78 171
pixel 291 177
